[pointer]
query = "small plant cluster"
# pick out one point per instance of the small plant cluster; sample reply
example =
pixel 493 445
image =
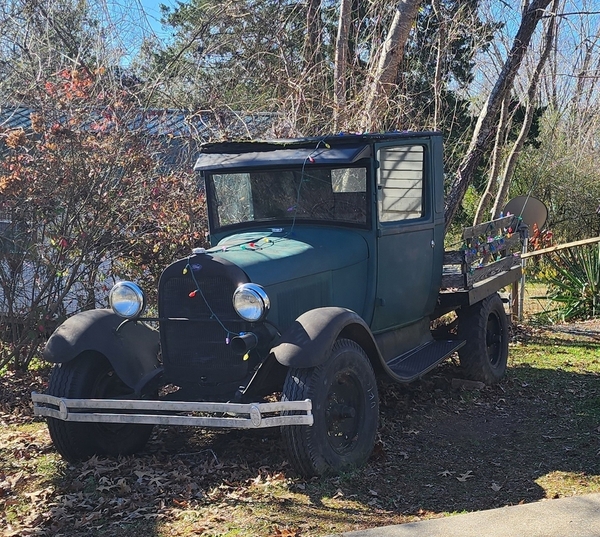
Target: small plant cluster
pixel 540 239
pixel 537 269
pixel 574 283
pixel 83 195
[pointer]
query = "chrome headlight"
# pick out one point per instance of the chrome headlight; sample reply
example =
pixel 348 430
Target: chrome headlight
pixel 251 302
pixel 127 300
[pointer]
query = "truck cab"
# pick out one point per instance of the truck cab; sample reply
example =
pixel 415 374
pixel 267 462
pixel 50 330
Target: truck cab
pixel 324 271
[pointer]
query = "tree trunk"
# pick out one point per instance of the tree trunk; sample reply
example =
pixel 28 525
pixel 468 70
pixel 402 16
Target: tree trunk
pixel 511 161
pixel 437 81
pixel 485 128
pixel 382 80
pixel 341 65
pixel 490 189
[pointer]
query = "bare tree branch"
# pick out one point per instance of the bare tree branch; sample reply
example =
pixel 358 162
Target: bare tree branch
pixel 382 80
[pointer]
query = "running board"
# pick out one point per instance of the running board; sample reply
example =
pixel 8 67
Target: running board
pixel 415 363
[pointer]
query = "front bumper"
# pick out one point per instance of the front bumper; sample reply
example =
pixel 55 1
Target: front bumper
pixel 226 415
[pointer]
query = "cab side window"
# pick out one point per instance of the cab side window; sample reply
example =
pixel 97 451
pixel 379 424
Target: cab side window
pixel 400 183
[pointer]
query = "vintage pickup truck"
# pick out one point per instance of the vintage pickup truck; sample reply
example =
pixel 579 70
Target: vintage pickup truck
pixel 326 269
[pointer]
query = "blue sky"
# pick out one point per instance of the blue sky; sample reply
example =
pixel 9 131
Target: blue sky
pixel 152 11
pixel 133 21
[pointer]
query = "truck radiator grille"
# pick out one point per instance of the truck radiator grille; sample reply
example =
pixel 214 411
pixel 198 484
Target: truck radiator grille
pixel 195 351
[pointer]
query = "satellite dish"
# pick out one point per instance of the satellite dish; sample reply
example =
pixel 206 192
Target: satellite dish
pixel 530 209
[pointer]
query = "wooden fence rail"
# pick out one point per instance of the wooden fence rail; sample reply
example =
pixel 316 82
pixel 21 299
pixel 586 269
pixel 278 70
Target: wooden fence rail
pixel 560 247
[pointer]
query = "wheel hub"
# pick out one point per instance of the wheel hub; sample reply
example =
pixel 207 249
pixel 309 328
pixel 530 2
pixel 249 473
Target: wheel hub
pixel 343 412
pixel 340 411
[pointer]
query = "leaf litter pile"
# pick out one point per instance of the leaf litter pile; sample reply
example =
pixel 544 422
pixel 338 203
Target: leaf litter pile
pixel 444 446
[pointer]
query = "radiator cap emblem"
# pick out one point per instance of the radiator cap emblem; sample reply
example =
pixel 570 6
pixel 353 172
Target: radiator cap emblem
pixel 198 251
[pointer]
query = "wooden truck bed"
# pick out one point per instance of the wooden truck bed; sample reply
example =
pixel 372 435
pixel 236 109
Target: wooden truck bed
pixel 489 259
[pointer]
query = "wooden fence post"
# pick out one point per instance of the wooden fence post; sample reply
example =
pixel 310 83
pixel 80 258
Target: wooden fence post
pixel 514 300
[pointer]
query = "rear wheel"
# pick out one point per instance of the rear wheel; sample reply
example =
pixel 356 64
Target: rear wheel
pixel 484 326
pixel 90 376
pixel 343 391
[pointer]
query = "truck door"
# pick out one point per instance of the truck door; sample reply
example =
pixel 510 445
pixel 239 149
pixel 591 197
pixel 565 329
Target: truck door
pixel 406 233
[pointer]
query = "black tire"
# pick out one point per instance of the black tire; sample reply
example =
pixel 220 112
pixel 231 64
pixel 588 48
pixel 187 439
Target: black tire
pixel 343 391
pixel 484 326
pixel 90 376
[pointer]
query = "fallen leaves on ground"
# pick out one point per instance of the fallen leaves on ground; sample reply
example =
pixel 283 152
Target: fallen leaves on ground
pixel 463 477
pixel 201 483
pixel 285 533
pixel 111 492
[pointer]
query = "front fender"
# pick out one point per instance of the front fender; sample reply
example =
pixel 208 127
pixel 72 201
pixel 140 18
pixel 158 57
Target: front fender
pixel 132 351
pixel 308 342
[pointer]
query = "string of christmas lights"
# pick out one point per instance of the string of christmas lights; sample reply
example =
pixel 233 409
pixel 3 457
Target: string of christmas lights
pixel 188 269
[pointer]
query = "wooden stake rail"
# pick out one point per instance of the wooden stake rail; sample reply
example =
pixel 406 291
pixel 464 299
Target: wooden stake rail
pixel 495 256
pixel 491 228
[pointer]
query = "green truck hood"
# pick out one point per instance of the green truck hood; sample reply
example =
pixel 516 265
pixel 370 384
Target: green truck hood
pixel 271 256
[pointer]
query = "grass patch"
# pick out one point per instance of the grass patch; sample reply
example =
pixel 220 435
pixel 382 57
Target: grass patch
pixel 557 484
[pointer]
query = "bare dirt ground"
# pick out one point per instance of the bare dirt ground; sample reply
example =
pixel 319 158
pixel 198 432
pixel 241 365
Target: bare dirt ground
pixel 585 329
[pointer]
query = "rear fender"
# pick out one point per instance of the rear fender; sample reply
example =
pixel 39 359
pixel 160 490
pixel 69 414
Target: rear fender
pixel 132 350
pixel 308 342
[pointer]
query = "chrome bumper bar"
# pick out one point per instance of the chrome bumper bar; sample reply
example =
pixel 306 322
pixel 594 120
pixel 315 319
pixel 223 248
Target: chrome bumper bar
pixel 230 415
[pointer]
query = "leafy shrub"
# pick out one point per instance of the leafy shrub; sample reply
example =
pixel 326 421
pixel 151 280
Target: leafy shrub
pixel 85 197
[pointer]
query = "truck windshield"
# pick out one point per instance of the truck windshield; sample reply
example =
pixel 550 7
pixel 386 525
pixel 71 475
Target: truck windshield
pixel 322 194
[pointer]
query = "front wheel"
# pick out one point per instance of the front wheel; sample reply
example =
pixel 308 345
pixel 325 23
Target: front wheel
pixel 90 376
pixel 484 326
pixel 345 406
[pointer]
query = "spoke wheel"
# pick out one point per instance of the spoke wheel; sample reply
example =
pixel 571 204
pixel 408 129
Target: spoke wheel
pixel 484 326
pixel 343 391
